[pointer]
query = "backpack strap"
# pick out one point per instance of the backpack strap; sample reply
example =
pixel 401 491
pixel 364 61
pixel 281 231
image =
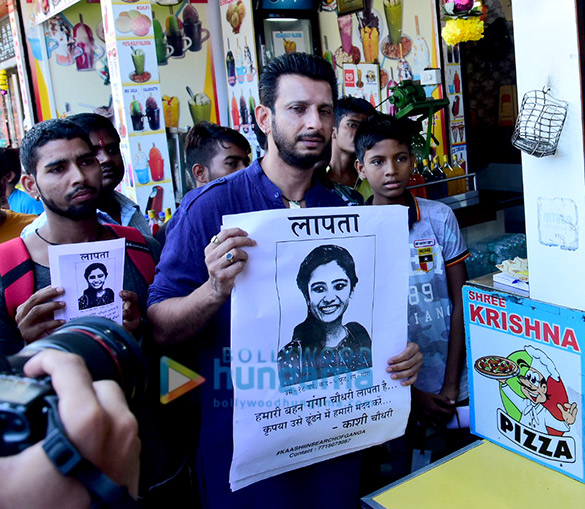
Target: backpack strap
pixel 137 249
pixel 16 272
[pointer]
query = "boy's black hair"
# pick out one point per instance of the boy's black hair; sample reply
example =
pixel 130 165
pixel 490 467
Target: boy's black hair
pixel 10 161
pixel 348 104
pixel 381 127
pixel 302 64
pixel 203 141
pixel 43 133
pixel 92 122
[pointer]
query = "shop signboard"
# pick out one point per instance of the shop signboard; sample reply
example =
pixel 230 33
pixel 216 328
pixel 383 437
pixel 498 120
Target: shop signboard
pixel 137 103
pixel 241 64
pixel 6 40
pixel 315 317
pixel 526 367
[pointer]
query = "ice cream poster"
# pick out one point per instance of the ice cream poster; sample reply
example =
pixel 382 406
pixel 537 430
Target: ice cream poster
pixel 362 80
pixel 316 314
pixel 526 377
pixel 92 275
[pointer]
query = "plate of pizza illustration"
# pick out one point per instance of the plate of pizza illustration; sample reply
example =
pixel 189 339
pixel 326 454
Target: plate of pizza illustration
pixel 496 367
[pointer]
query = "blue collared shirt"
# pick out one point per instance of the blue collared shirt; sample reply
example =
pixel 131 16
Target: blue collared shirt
pixel 181 270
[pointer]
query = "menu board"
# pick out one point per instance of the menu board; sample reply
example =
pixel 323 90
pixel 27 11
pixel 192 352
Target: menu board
pixel 6 40
pixel 362 80
pixel 137 103
pixel 237 29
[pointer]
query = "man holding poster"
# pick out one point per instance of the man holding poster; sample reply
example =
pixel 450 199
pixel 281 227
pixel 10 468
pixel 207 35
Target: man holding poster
pixel 190 297
pixel 62 169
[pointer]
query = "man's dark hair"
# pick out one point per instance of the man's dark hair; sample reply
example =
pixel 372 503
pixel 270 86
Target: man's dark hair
pixel 381 127
pixel 91 122
pixel 10 161
pixel 44 132
pixel 204 139
pixel 323 255
pixel 302 64
pixel 347 104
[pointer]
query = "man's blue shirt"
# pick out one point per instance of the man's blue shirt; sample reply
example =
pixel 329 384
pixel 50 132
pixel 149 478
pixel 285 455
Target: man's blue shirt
pixel 181 270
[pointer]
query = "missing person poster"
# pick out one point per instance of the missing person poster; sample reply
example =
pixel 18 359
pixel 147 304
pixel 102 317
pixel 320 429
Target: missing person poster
pixel 317 312
pixel 92 275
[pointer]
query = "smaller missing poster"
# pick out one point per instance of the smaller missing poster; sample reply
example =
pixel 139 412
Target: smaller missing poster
pixel 92 275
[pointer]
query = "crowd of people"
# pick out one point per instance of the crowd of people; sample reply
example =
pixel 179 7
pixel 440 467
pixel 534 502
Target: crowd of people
pixel 320 151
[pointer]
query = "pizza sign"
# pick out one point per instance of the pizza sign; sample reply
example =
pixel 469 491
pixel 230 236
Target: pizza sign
pixel 526 392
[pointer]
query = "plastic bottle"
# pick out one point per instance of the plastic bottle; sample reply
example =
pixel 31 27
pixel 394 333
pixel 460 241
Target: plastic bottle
pixel 439 176
pixel 416 179
pixel 153 222
pixel 429 179
pixel 168 214
pixel 452 185
pixel 459 172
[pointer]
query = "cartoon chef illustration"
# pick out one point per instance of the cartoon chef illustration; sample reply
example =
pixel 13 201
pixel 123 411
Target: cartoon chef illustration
pixel 539 393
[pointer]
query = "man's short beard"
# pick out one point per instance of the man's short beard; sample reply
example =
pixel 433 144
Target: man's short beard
pixel 287 153
pixel 75 213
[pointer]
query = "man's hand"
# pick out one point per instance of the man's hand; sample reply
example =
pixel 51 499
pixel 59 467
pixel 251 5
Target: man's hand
pixel 406 365
pixel 433 409
pixel 34 317
pixel 98 422
pixel 223 272
pixel 130 310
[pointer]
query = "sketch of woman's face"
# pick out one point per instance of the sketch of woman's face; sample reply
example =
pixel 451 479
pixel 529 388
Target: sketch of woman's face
pixel 329 292
pixel 96 279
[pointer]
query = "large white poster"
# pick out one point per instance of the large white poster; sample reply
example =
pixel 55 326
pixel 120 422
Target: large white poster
pixel 318 310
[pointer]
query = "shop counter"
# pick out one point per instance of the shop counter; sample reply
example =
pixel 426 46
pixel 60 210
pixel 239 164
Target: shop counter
pixel 481 475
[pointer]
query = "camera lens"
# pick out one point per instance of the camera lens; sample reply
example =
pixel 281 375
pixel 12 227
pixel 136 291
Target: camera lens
pixel 108 350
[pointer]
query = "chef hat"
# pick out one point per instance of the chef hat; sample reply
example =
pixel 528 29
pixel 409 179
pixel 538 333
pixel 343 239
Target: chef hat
pixel 542 363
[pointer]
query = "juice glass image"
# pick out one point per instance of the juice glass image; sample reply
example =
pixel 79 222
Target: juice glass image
pixel 345 30
pixel 141 167
pixel 393 13
pixel 136 115
pixel 171 111
pixel 370 38
pixel 156 163
pixel 138 60
pixel 200 108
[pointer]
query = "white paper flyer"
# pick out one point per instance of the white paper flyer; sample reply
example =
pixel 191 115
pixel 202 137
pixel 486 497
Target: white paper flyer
pixel 92 275
pixel 318 310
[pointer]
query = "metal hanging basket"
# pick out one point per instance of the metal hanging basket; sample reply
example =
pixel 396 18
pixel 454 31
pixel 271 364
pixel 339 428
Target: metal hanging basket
pixel 539 124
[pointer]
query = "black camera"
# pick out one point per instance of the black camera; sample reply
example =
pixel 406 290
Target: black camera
pixel 109 352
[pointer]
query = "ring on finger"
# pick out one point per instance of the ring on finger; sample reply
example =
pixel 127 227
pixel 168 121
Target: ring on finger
pixel 215 240
pixel 230 257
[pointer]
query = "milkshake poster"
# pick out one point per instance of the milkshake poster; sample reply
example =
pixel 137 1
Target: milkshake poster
pixel 241 64
pixel 316 314
pixel 525 366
